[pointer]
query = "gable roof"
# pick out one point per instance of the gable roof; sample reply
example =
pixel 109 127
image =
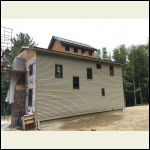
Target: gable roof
pixel 71 43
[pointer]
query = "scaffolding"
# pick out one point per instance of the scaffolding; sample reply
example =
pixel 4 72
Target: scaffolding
pixel 6 44
pixel 6 36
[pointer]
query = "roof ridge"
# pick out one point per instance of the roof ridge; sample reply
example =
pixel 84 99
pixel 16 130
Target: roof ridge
pixel 70 40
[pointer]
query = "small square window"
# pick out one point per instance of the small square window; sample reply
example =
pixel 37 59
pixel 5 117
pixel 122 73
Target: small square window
pixel 82 51
pixel 75 50
pixel 67 48
pixel 103 91
pixel 58 71
pixel 30 70
pixel 75 82
pixel 98 66
pixel 90 53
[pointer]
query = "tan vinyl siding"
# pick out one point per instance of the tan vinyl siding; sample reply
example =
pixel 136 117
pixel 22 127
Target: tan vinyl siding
pixel 56 98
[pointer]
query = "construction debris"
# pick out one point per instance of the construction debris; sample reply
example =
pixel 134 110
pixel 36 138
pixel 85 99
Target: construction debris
pixel 93 129
pixel 4 125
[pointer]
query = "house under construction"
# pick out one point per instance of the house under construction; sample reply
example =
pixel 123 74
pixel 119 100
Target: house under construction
pixel 64 80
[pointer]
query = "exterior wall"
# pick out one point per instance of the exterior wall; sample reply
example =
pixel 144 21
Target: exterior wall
pixel 20 98
pixel 57 46
pixel 56 98
pixel 30 79
pixel 30 54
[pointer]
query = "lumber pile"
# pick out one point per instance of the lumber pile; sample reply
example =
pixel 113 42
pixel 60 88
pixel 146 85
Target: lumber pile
pixel 28 121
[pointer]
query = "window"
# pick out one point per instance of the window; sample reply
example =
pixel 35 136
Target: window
pixel 111 70
pixel 75 82
pixel 98 66
pixel 30 98
pixel 90 53
pixel 67 48
pixel 58 71
pixel 103 91
pixel 89 73
pixel 82 51
pixel 75 50
pixel 30 69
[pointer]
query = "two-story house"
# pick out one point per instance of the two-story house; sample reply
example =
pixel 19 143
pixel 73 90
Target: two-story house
pixel 67 80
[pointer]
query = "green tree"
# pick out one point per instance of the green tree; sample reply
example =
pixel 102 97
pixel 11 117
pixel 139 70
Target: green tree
pixel 135 71
pixel 110 57
pixel 139 62
pixel 120 54
pixel 21 39
pixel 104 53
pixel 98 54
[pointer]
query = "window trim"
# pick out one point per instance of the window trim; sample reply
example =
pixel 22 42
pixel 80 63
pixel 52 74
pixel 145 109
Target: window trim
pixel 91 73
pixel 61 71
pixel 76 88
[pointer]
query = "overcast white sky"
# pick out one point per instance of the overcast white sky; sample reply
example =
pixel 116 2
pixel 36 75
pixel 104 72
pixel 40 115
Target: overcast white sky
pixel 98 33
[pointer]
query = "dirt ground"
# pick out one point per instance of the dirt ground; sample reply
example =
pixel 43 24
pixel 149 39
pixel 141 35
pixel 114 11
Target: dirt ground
pixel 131 119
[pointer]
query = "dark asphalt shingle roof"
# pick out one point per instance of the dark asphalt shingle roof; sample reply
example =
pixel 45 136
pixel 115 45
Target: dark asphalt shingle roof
pixel 70 42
